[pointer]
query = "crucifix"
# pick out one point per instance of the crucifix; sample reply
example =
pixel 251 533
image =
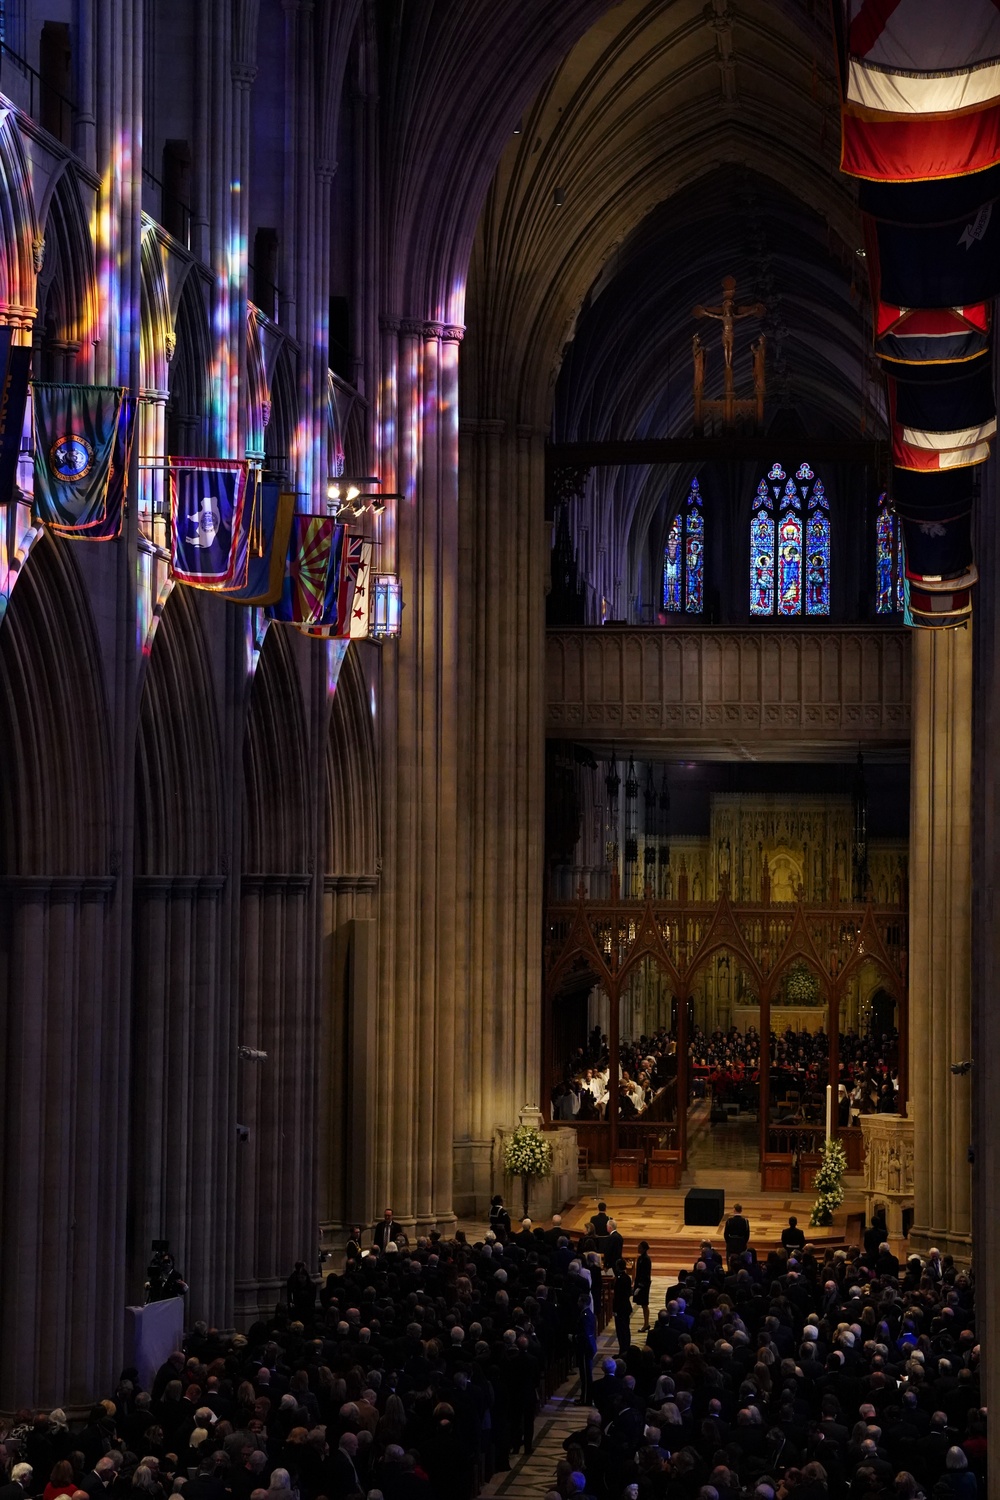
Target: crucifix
pixel 729 313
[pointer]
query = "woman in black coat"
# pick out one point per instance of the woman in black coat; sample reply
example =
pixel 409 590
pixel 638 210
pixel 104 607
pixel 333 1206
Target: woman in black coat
pixel 643 1283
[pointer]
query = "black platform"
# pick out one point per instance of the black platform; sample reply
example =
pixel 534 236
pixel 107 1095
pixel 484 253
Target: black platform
pixel 704 1205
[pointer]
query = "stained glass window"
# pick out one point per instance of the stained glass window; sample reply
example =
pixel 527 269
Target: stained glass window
pixel 790 545
pixel 762 554
pixel 889 565
pixel 684 558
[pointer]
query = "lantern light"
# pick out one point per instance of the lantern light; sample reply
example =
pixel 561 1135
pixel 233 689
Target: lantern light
pixel 387 607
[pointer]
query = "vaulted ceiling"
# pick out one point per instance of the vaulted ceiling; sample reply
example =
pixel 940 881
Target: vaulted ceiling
pixel 675 144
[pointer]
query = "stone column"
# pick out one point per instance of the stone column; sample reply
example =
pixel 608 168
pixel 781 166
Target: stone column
pixel 504 555
pixel 184 1047
pixel 940 938
pixel 276 1099
pixel 986 948
pixel 61 1161
pixel 350 1056
pixel 419 732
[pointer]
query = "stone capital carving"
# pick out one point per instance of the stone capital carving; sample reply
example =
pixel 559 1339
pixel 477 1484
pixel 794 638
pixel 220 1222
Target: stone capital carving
pixel 453 333
pixel 244 74
pixel 388 323
pixel 433 330
pixel 412 327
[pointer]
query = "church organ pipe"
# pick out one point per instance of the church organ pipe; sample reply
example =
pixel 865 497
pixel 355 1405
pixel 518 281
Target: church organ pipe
pixel 664 850
pixel 650 831
pixel 631 847
pixel 683 1070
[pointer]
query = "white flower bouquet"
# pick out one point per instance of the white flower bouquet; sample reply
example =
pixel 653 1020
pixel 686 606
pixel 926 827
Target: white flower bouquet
pixel 527 1153
pixel 829 1183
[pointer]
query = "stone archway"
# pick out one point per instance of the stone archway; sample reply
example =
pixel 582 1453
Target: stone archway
pixel 183 1031
pixel 279 1005
pixel 63 1023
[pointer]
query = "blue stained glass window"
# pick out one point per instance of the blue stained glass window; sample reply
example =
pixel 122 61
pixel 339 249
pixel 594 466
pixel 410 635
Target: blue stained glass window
pixel 790 565
pixel 694 553
pixel 889 566
pixel 672 567
pixel 790 545
pixel 684 558
pixel 762 563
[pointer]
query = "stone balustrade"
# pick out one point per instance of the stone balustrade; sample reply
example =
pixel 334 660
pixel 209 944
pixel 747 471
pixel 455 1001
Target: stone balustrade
pixel 721 692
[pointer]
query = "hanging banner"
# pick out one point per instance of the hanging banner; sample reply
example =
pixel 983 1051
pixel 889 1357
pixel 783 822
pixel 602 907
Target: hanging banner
pixel 945 414
pixel 920 86
pixel 936 265
pixel 934 497
pixel 916 335
pixel 83 437
pixel 315 558
pixel 361 566
pixel 15 362
pixel 345 612
pixel 938 548
pixel 938 201
pixel 206 513
pixel 261 561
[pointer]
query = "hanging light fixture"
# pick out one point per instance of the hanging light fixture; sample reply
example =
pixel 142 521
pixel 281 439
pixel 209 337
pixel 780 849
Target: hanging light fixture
pixel 387 607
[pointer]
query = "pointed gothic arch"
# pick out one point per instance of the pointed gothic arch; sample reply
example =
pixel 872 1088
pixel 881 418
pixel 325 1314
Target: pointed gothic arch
pixel 351 784
pixel 156 324
pixel 280 440
pixel 188 415
pixel 178 757
pixel 66 287
pixel 55 811
pixel 19 229
pixel 275 765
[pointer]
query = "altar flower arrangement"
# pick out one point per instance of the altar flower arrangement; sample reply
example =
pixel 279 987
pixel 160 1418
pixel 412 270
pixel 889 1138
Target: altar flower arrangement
pixel 801 986
pixel 527 1154
pixel 829 1183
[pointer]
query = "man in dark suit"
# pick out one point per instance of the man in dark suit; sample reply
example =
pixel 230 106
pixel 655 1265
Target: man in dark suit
pixel 387 1229
pixel 20 1483
pixel 613 1246
pixel 101 1477
pixel 737 1232
pixel 599 1223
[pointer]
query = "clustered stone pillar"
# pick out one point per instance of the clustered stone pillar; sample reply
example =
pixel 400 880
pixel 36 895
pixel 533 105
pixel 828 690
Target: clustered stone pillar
pixel 63 1164
pixel 504 555
pixel 419 725
pixel 940 939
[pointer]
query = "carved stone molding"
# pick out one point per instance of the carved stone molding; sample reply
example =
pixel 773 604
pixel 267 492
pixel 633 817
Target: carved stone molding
pixel 718 685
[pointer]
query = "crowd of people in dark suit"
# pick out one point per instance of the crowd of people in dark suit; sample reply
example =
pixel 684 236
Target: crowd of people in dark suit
pixel 802 1374
pixel 418 1369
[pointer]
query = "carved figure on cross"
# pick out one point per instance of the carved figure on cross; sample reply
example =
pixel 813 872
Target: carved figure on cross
pixel 728 313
